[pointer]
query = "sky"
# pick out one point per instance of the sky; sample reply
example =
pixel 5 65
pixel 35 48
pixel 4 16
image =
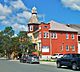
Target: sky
pixel 16 13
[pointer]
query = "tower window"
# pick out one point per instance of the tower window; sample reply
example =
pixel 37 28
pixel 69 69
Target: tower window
pixel 45 26
pixel 31 28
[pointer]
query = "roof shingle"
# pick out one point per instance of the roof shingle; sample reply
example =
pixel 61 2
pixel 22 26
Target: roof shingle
pixel 60 27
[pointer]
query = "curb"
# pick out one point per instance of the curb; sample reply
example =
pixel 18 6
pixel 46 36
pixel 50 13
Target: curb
pixel 48 63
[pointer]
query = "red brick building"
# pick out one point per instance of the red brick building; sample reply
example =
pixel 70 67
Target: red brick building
pixel 53 37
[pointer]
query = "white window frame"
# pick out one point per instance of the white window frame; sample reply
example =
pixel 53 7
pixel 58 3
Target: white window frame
pixel 45 35
pixel 67 36
pixel 67 48
pixel 54 35
pixel 72 36
pixel 73 48
pixel 31 28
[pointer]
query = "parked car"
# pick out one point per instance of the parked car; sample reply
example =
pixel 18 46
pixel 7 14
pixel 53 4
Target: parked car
pixel 70 60
pixel 57 55
pixel 29 59
pixel 23 58
pixel 32 59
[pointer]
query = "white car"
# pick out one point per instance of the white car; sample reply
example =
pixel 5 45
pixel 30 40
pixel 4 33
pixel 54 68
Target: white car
pixel 55 56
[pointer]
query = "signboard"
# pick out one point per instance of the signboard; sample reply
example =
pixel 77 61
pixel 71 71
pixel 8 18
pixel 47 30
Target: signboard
pixel 45 49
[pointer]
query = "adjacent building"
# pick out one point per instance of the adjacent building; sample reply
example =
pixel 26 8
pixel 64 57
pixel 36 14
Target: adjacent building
pixel 77 27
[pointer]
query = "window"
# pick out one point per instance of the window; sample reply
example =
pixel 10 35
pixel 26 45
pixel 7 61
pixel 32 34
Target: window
pixel 72 36
pixel 67 56
pixel 39 27
pixel 67 48
pixel 62 48
pixel 51 35
pixel 54 35
pixel 39 46
pixel 46 35
pixel 31 37
pixel 45 48
pixel 76 55
pixel 73 48
pixel 45 26
pixel 31 28
pixel 67 36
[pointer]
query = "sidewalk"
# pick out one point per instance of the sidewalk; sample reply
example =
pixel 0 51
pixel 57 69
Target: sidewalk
pixel 48 63
pixel 3 58
pixel 14 60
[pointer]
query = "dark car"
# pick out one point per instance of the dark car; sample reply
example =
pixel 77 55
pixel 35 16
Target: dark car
pixel 70 60
pixel 23 58
pixel 32 59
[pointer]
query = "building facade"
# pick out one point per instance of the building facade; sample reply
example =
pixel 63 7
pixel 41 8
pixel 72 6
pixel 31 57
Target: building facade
pixel 77 27
pixel 52 37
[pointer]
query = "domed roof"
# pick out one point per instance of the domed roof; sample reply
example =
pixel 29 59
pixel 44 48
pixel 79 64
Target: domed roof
pixel 34 10
pixel 34 18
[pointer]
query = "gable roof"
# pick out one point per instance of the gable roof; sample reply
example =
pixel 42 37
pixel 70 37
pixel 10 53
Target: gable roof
pixel 61 27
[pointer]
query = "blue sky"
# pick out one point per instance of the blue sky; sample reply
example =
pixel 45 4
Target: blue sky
pixel 16 13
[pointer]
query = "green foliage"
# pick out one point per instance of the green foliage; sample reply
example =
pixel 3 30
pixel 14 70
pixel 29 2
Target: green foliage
pixel 20 44
pixel 25 42
pixel 5 40
pixel 9 31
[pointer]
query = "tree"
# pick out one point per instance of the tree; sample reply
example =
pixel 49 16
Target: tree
pixel 25 42
pixel 20 44
pixel 9 31
pixel 1 44
pixel 7 40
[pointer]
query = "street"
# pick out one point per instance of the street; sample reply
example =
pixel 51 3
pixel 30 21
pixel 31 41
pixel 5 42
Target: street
pixel 16 66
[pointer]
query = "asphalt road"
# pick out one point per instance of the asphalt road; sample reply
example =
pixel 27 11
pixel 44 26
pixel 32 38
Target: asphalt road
pixel 15 66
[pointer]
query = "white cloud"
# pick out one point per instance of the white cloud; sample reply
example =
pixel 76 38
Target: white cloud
pixel 25 14
pixel 16 26
pixel 5 23
pixel 2 17
pixel 73 4
pixel 17 4
pixel 19 27
pixel 10 14
pixel 4 10
pixel 23 28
